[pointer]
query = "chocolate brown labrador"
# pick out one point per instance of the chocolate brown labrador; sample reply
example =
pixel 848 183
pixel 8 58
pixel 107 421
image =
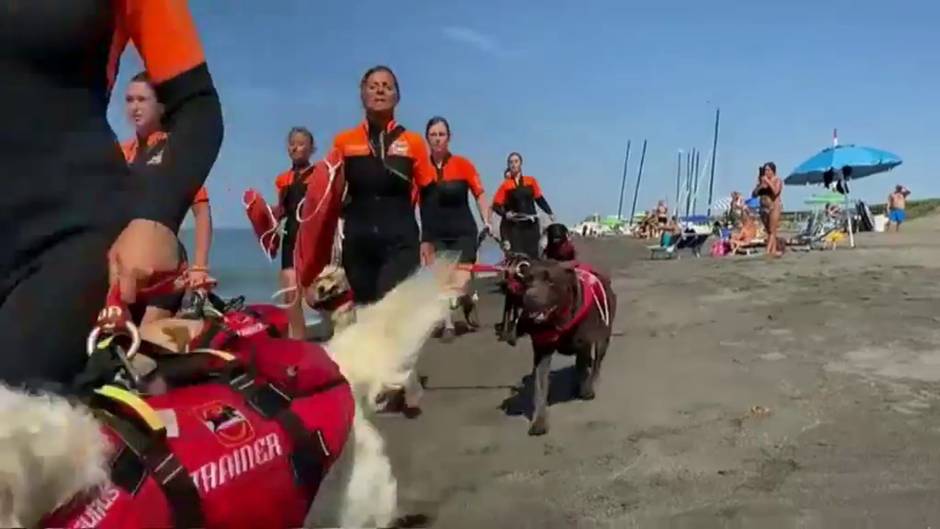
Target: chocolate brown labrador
pixel 568 308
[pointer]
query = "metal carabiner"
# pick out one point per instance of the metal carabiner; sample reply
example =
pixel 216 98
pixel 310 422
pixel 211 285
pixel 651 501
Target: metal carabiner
pixel 92 344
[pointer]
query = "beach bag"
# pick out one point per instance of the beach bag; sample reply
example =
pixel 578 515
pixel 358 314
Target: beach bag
pixel 719 249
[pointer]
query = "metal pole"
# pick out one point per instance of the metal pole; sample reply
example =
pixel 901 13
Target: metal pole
pixel 623 183
pixel 711 179
pixel 688 182
pixel 695 171
pixel 678 178
pixel 639 175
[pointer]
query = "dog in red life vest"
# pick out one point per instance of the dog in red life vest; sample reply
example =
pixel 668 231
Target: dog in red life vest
pixel 568 308
pixel 57 459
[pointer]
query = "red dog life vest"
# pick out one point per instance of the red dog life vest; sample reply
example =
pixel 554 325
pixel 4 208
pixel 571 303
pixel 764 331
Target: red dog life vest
pixel 232 452
pixel 593 296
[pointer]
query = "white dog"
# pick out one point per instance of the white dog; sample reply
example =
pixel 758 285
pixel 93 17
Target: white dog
pixel 51 451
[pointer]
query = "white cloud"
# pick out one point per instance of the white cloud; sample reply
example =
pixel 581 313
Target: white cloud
pixel 473 38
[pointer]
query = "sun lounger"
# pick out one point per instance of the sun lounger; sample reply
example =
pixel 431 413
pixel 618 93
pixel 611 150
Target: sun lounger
pixel 689 240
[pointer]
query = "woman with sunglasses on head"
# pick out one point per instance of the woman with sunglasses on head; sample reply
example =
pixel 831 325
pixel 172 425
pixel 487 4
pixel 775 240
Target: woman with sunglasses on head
pixel 515 202
pixel 447 224
pixel 145 112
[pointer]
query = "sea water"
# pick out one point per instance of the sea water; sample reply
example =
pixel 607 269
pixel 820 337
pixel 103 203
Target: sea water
pixel 242 269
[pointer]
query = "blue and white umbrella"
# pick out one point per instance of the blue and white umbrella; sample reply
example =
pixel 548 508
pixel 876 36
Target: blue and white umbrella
pixel 841 163
pixel 848 162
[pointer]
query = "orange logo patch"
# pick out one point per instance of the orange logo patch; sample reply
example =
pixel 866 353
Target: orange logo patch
pixel 228 424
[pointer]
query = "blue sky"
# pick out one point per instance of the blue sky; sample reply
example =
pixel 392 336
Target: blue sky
pixel 567 83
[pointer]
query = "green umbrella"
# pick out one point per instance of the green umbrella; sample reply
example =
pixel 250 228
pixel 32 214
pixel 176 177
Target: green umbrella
pixel 830 197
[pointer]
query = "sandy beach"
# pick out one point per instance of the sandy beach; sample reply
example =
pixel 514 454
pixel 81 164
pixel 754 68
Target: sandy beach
pixel 738 392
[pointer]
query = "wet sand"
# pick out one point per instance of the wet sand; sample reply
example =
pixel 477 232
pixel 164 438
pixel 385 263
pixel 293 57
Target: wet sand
pixel 738 393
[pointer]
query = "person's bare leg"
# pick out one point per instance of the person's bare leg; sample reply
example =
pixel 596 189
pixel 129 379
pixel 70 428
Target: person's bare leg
pixel 295 310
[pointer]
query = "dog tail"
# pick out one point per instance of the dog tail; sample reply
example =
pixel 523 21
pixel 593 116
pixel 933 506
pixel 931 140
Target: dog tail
pixel 380 350
pixel 50 451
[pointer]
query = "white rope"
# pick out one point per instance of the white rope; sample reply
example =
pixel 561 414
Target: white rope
pixel 329 187
pixel 600 300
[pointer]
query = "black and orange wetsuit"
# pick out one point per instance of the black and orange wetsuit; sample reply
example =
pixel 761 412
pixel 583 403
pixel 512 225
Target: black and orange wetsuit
pixel 291 187
pixel 139 158
pixel 384 167
pixel 520 196
pixel 446 219
pixel 69 192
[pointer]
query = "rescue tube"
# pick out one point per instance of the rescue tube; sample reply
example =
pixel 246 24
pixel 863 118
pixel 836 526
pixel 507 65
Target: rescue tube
pixel 263 221
pixel 318 217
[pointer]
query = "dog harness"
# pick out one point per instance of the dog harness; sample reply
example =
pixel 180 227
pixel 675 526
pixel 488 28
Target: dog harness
pixel 335 303
pixel 242 437
pixel 590 294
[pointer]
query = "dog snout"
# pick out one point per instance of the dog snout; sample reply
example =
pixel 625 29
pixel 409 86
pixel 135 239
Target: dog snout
pixel 536 298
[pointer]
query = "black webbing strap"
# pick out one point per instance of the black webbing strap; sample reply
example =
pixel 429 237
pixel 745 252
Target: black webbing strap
pixel 147 452
pixel 310 450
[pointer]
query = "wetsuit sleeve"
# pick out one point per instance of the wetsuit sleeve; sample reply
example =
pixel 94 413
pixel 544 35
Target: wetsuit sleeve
pixel 201 196
pixel 544 205
pixel 165 35
pixel 499 200
pixel 539 198
pixel 473 179
pixel 423 171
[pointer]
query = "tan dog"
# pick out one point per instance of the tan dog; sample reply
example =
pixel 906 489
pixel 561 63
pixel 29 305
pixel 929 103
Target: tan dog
pixel 330 293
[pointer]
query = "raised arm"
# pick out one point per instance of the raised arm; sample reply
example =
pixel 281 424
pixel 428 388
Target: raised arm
pixel 165 35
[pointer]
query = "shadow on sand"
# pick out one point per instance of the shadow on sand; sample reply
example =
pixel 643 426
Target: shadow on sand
pixel 562 387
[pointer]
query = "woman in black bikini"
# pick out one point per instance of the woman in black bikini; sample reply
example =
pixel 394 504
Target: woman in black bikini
pixel 769 188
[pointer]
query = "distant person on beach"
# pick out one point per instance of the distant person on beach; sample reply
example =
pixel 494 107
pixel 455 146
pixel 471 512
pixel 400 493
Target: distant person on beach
pixel 769 189
pixel 145 113
pixel 291 188
pixel 736 210
pixel 515 202
pixel 897 202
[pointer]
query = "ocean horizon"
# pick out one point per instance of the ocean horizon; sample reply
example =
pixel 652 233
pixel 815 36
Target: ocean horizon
pixel 242 269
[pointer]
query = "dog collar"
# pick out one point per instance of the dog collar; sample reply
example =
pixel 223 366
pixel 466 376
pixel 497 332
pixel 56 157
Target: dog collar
pixel 334 303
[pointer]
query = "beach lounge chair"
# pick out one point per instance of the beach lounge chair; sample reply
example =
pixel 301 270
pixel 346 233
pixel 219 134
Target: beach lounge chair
pixel 688 240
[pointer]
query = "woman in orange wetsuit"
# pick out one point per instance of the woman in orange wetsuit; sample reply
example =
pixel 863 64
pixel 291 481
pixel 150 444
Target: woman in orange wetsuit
pixel 291 188
pixel 447 224
pixel 73 214
pixel 145 113
pixel 515 202
pixel 385 166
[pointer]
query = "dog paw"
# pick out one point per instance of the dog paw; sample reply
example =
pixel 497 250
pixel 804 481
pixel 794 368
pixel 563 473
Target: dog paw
pixel 586 394
pixel 538 427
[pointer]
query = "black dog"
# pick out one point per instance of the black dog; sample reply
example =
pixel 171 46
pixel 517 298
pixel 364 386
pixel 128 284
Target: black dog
pixel 511 285
pixel 568 308
pixel 558 245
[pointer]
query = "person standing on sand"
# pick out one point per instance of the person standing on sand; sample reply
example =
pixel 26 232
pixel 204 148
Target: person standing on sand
pixel 769 189
pixel 291 186
pixel 145 113
pixel 897 202
pixel 447 224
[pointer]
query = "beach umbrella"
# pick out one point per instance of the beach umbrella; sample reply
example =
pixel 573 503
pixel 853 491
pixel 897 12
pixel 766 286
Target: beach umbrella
pixel 839 164
pixel 829 197
pixel 848 162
